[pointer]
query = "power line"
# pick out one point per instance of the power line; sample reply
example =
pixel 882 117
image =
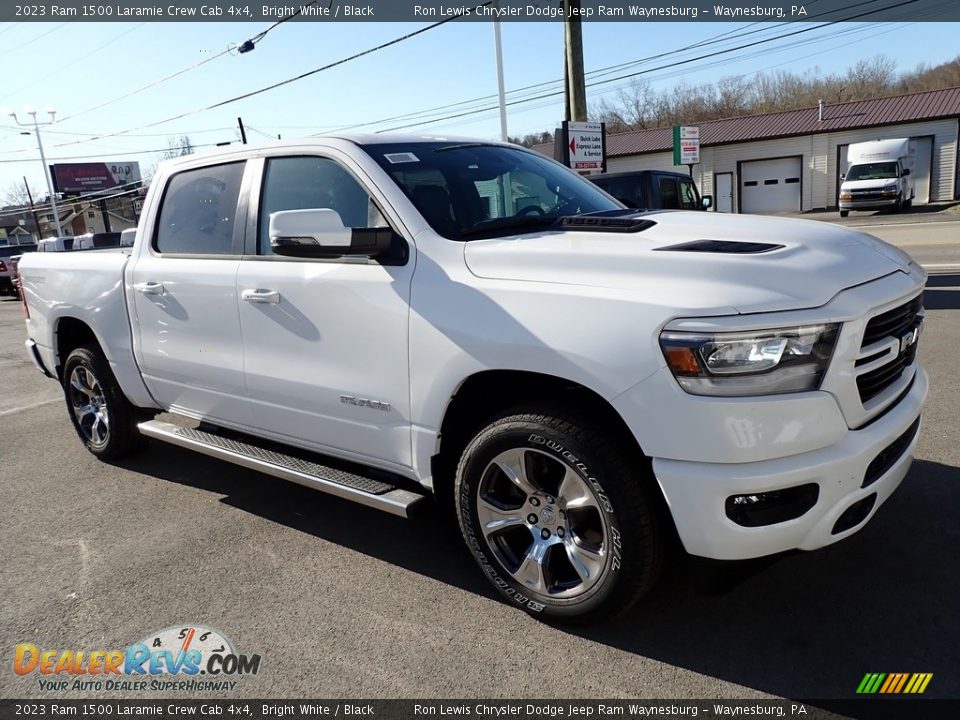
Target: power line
pixel 100 155
pixel 650 70
pixel 33 39
pixel 281 83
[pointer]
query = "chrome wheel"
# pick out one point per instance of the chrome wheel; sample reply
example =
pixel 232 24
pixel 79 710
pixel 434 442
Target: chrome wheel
pixel 543 523
pixel 89 406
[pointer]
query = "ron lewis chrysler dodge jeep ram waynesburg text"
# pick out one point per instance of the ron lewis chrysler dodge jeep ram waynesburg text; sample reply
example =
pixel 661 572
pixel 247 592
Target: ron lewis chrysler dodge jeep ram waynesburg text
pixel 387 318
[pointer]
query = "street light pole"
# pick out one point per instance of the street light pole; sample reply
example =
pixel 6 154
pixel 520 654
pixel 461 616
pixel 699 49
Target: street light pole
pixel 43 160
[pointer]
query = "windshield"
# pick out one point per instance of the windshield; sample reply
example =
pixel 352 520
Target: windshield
pixel 873 171
pixel 468 191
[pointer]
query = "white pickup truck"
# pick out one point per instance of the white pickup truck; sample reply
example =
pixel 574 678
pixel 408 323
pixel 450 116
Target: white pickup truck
pixel 391 318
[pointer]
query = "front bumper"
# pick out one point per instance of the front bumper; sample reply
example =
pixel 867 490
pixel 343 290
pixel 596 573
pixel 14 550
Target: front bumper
pixel 867 204
pixel 696 492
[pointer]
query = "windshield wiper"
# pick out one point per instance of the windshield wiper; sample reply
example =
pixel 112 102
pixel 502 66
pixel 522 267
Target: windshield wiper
pixel 528 222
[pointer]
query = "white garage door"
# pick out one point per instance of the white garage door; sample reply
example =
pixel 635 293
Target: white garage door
pixel 770 186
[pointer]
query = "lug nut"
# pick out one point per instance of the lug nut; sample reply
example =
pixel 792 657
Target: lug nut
pixel 545 533
pixel 532 519
pixel 534 501
pixel 549 500
pixel 559 532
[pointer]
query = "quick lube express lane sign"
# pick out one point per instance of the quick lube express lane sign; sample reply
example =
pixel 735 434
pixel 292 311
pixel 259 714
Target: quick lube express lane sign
pixel 585 146
pixel 686 144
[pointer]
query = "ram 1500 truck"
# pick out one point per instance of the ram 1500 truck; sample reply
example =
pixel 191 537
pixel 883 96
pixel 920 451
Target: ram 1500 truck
pixel 392 318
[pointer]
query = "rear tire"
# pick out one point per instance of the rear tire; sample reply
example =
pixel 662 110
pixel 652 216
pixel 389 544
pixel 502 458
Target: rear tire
pixel 104 419
pixel 558 517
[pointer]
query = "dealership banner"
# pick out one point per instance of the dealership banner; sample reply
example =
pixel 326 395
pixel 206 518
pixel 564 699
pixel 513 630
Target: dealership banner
pixel 90 177
pixel 430 11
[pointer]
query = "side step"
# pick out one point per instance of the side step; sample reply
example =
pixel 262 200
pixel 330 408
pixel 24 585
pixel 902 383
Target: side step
pixel 364 489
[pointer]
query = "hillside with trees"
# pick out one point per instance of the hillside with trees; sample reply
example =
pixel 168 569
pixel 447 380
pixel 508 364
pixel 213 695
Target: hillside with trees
pixel 640 106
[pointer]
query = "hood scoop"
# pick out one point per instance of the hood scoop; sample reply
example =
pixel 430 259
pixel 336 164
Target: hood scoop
pixel 729 247
pixel 601 223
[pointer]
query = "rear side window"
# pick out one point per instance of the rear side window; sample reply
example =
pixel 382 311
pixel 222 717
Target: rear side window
pixel 199 211
pixel 688 195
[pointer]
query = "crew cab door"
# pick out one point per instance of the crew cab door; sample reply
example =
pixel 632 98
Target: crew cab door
pixel 325 340
pixel 185 326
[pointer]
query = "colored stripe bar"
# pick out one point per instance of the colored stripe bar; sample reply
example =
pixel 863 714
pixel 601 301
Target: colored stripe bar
pixel 926 681
pixel 903 680
pixel 862 687
pixel 876 683
pixel 913 681
pixel 890 680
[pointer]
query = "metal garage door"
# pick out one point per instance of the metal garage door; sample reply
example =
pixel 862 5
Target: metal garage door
pixel 770 186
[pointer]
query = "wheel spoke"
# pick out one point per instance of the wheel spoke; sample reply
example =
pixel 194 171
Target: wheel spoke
pixel 494 520
pixel 97 430
pixel 513 465
pixel 573 493
pixel 531 573
pixel 77 384
pixel 586 563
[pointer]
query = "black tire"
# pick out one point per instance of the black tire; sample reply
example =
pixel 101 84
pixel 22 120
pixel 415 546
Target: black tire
pixel 898 205
pixel 844 213
pixel 103 418
pixel 614 518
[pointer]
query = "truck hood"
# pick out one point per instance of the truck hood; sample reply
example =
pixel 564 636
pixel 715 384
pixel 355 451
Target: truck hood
pixel 816 261
pixel 868 184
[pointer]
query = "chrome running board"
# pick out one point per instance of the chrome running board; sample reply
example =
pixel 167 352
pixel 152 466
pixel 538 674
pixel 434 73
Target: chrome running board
pixel 368 490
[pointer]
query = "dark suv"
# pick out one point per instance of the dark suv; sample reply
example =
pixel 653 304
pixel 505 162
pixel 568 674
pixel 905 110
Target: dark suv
pixel 653 190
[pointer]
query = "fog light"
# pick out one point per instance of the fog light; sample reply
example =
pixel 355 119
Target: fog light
pixel 774 506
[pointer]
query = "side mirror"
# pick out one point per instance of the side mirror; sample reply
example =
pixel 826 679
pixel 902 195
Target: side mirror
pixel 843 176
pixel 906 171
pixel 706 202
pixel 319 232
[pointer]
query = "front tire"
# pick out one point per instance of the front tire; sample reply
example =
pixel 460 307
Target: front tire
pixel 557 517
pixel 104 419
pixel 844 213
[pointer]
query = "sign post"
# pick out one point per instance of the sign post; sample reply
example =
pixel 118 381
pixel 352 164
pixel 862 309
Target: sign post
pixel 584 147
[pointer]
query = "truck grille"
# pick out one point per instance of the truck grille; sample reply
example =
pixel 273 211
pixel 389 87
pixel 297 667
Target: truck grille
pixel 894 325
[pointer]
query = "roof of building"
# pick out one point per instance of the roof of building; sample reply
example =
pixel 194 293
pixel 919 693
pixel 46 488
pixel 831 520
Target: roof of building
pixel 913 107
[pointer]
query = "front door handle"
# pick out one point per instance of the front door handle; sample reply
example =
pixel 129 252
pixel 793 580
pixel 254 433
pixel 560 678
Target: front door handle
pixel 260 296
pixel 149 288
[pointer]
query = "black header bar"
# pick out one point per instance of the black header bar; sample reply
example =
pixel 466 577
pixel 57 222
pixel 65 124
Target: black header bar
pixel 426 11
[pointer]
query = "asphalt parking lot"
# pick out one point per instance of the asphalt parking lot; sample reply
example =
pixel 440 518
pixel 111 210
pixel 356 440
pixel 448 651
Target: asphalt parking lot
pixel 345 601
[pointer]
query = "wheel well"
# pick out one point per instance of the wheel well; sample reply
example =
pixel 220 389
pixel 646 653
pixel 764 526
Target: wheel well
pixel 488 393
pixel 71 334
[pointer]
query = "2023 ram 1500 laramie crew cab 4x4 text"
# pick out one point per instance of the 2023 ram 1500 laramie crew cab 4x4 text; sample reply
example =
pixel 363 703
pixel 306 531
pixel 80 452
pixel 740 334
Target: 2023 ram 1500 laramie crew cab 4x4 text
pixel 386 318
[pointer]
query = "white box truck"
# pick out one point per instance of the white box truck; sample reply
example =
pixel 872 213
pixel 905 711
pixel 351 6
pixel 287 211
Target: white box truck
pixel 879 175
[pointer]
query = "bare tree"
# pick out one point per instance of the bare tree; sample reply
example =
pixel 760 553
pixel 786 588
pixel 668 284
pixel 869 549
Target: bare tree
pixel 15 194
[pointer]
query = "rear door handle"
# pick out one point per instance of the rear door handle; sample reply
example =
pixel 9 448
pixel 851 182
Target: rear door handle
pixel 150 288
pixel 260 296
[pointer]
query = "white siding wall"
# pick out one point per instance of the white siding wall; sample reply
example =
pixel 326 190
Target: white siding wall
pixel 819 154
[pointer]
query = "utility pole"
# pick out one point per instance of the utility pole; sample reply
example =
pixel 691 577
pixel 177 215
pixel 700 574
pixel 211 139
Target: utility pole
pixel 43 160
pixel 36 218
pixel 243 133
pixel 576 85
pixel 501 94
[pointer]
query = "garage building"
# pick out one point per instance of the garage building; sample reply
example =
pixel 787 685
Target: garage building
pixel 792 160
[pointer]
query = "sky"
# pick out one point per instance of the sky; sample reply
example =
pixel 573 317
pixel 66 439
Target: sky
pixel 77 66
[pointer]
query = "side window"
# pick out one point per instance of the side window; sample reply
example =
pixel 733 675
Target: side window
pixel 688 195
pixel 669 198
pixel 199 211
pixel 300 183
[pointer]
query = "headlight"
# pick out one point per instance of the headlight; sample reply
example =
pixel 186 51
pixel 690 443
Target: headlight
pixel 766 362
